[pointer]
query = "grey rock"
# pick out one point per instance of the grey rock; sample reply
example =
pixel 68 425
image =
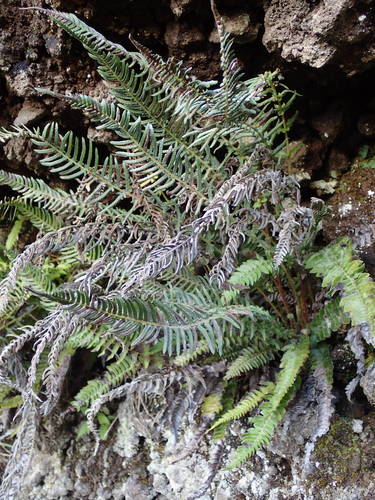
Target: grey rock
pixel 18 150
pixel 30 113
pixel 154 470
pixel 53 45
pixel 127 440
pixel 367 383
pixel 321 33
pixel 179 34
pixel 240 25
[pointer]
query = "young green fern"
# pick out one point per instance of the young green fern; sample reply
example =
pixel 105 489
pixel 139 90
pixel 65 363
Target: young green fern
pixel 338 267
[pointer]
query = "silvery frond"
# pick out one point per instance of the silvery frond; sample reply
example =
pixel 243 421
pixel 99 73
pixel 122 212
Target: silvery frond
pixel 293 224
pixel 16 344
pixel 21 455
pixel 367 334
pixel 47 331
pixel 148 383
pixel 354 338
pixel 236 236
pixel 323 380
pixel 53 375
pixel 182 249
pixel 179 251
pixel 89 236
pixel 54 384
pixel 364 235
pixel 177 391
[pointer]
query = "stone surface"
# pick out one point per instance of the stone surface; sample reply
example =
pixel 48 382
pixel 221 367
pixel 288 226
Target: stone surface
pixel 321 33
pixel 240 26
pixel 155 468
pixel 353 208
pixel 30 113
pixel 368 383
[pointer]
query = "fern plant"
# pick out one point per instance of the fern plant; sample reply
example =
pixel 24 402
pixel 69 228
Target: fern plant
pixel 184 243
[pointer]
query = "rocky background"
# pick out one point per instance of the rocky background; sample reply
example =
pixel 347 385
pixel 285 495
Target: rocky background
pixel 326 51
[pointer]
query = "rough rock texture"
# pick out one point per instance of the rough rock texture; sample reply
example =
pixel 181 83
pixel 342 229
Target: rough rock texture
pixel 131 466
pixel 318 33
pixel 353 209
pixel 367 383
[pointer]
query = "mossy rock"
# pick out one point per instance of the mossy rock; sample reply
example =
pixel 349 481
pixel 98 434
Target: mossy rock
pixel 343 457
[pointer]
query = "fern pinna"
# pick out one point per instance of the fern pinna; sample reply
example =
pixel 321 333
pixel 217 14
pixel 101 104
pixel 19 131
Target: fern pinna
pixel 183 244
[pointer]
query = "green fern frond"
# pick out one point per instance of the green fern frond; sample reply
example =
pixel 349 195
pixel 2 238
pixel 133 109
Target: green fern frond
pixel 265 336
pixel 212 404
pixel 291 364
pixel 339 269
pixel 185 92
pixel 228 398
pixel 36 190
pixel 328 320
pixel 114 375
pixel 97 340
pixel 72 158
pixel 39 217
pixel 272 411
pixel 246 405
pixel 38 279
pixel 249 359
pixel 188 357
pixel 141 145
pixel 247 274
pixel 136 93
pixel 263 429
pixel 180 317
pixel 14 233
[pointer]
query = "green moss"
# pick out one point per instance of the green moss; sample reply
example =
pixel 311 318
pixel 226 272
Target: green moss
pixel 342 457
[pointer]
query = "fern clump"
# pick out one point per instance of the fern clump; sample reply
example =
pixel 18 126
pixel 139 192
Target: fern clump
pixel 183 244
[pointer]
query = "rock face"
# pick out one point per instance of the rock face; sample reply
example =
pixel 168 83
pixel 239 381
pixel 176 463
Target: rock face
pixel 131 466
pixel 318 33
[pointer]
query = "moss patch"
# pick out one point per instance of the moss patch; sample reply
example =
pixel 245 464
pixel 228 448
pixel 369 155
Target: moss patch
pixel 343 457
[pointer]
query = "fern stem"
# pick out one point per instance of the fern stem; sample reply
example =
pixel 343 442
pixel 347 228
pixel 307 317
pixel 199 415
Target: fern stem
pixel 303 303
pixel 273 307
pixel 284 299
pixel 281 115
